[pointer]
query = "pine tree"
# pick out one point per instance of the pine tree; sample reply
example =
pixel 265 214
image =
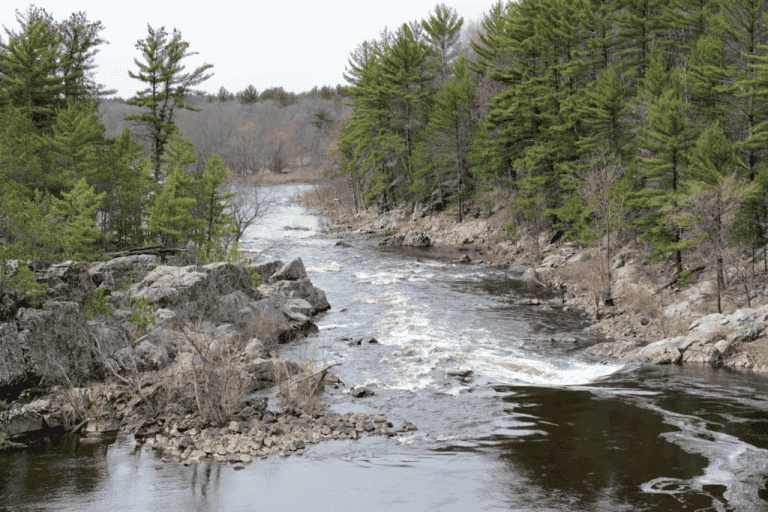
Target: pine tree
pixel 214 203
pixel 29 72
pixel 76 131
pixel 443 29
pixel 127 181
pixel 406 80
pixel 451 117
pixel 78 209
pixel 705 77
pixel 167 87
pixel 667 139
pixel 80 39
pixel 602 110
pixel 638 27
pixel 169 216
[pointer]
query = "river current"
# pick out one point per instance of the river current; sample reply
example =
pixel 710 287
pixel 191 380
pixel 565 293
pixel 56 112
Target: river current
pixel 504 422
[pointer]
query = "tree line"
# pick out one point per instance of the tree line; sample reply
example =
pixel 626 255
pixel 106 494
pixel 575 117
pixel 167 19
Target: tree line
pixel 603 118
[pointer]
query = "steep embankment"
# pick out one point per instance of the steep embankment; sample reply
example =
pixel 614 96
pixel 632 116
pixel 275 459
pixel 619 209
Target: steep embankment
pixel 653 317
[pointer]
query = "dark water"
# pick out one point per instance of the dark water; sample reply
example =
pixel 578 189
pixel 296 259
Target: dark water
pixel 533 427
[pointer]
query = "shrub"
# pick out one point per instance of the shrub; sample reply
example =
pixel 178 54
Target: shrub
pixel 145 313
pixel 96 304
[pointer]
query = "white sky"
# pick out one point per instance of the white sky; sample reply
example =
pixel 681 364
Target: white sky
pixel 295 44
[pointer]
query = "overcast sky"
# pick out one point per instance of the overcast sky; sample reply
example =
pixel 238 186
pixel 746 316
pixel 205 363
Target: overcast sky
pixel 296 44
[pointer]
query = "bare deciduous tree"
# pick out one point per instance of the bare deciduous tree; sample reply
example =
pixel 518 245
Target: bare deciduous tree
pixel 706 216
pixel 605 205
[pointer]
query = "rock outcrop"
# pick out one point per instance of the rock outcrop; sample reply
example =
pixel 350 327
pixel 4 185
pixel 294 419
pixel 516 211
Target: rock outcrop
pixel 713 339
pixel 212 305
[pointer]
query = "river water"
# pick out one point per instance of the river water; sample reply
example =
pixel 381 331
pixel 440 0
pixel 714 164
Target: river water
pixel 522 425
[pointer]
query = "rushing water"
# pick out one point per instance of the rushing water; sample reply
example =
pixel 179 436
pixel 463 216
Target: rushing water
pixel 505 422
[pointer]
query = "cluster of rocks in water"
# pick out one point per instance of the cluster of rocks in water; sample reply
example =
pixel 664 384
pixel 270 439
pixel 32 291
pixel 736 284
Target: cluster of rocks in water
pixel 242 441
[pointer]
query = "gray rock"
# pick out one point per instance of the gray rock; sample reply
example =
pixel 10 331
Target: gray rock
pixel 68 282
pixel 416 239
pixel 254 348
pixel 11 357
pixel 151 356
pixel 701 352
pixel 661 350
pixel 57 334
pixel 683 308
pixel 617 349
pixel 291 271
pixel 20 421
pixel 266 270
pixel 668 355
pixel 297 305
pixel 302 289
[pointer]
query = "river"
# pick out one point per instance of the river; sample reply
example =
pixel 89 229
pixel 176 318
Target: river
pixel 504 422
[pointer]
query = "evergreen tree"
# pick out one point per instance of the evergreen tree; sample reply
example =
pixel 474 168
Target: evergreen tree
pixel 127 181
pixel 29 76
pixel 668 138
pixel 75 133
pixel 405 78
pixel 249 95
pixel 79 39
pixel 638 26
pixel 169 217
pixel 167 87
pixel 214 204
pixel 78 209
pixel 443 29
pixel 706 73
pixel 602 110
pixel 451 118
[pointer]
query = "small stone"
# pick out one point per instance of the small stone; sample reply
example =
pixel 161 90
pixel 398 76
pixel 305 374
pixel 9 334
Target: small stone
pixel 379 418
pixel 238 467
pixel 245 458
pixel 234 426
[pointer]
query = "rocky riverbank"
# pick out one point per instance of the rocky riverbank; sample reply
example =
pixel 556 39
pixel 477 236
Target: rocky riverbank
pixel 653 316
pixel 173 355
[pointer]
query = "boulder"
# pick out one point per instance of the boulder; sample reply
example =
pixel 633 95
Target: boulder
pixel 416 239
pixel 171 286
pixel 192 289
pixel 291 271
pixel 263 372
pixel 68 282
pixel 11 358
pixel 109 338
pixel 299 306
pixel 662 350
pixel 302 289
pixel 113 273
pixel 54 336
pixel 701 352
pixel 668 355
pixel 254 348
pixel 266 269
pixel 20 422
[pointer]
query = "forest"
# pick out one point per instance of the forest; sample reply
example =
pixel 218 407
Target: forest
pixel 610 120
pixel 85 175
